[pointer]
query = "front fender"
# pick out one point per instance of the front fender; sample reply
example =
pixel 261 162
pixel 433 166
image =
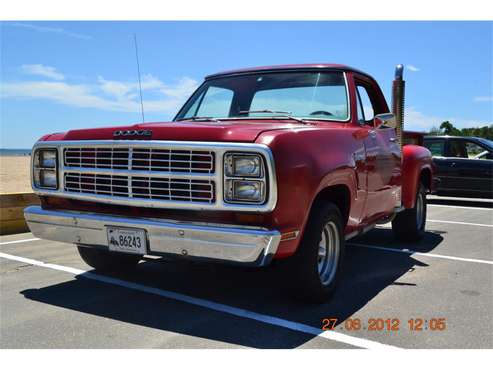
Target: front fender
pixel 415 160
pixel 307 161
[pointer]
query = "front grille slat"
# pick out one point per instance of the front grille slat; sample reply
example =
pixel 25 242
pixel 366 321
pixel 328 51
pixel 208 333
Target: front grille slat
pixel 141 187
pixel 149 159
pixel 140 182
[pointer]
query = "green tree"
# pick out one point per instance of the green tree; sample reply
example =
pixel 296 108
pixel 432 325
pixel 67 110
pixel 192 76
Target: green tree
pixel 449 129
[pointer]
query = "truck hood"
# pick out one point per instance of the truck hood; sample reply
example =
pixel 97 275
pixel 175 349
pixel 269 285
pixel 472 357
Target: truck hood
pixel 229 131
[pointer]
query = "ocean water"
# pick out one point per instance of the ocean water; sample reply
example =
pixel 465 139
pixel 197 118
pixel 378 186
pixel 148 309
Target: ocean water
pixel 15 152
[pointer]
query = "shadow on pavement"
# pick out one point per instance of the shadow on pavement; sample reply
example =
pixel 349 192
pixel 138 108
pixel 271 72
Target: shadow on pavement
pixel 383 237
pixel 366 273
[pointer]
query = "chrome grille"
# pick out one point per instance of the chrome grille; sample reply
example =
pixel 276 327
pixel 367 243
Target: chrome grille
pixel 144 159
pixel 152 173
pixel 142 187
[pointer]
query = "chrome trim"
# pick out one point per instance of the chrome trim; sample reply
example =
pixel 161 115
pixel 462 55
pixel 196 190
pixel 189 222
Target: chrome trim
pixel 147 187
pixel 226 243
pixel 219 148
pixel 399 71
pixel 262 179
pixel 36 167
pixel 114 158
pixel 132 133
pixel 122 172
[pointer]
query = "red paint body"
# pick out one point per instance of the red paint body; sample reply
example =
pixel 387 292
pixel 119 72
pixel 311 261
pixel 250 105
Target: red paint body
pixel 309 159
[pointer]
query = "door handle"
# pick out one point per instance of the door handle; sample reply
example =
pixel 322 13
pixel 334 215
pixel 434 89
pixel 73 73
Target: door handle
pixel 372 133
pixel 393 139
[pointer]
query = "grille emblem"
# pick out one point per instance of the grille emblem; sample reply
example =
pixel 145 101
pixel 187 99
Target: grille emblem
pixel 119 133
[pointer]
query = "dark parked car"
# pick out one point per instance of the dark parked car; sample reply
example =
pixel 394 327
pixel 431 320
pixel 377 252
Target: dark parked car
pixel 464 165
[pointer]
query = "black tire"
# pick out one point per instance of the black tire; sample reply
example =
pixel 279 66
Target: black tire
pixel 102 260
pixel 303 269
pixel 409 225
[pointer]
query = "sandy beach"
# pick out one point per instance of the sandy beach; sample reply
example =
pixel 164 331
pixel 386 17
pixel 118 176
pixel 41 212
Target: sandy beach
pixel 14 174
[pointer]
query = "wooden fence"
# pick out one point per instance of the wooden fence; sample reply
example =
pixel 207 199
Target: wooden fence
pixel 12 211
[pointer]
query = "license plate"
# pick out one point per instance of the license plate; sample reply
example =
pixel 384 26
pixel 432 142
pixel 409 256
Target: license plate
pixel 127 240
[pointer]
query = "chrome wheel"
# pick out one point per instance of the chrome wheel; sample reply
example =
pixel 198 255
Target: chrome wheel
pixel 328 253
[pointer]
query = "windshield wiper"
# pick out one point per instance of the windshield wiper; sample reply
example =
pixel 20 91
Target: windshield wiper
pixel 282 112
pixel 198 118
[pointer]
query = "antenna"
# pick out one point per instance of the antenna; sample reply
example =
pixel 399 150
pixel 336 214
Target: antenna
pixel 138 73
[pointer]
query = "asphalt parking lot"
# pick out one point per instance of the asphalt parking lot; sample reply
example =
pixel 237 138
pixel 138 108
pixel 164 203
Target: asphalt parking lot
pixel 50 299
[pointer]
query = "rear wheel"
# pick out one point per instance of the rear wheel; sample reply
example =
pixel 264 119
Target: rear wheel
pixel 315 268
pixel 106 261
pixel 409 225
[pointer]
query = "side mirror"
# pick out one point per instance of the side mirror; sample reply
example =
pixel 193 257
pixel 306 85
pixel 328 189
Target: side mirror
pixel 385 120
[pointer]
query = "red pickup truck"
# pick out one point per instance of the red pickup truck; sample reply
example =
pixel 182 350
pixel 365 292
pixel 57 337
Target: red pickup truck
pixel 284 163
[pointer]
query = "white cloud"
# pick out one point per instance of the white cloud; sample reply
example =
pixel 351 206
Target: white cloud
pixel 483 98
pixel 418 121
pixel 123 96
pixel 61 92
pixel 181 90
pixel 106 94
pixel 117 89
pixel 412 68
pixel 45 29
pixel 42 70
pixel 149 82
pixel 121 89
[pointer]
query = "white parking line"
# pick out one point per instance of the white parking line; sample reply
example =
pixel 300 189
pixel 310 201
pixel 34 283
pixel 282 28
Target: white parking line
pixel 19 241
pixel 458 223
pixel 464 207
pixel 272 320
pixel 407 251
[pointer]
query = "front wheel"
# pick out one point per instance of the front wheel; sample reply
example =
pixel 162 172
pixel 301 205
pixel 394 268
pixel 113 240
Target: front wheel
pixel 409 225
pixel 314 270
pixel 102 260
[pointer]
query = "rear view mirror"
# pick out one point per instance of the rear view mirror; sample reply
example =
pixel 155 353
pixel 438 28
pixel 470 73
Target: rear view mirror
pixel 385 120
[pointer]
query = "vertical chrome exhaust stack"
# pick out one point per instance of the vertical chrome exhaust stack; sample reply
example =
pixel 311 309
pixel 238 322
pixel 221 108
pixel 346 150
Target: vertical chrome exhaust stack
pixel 398 90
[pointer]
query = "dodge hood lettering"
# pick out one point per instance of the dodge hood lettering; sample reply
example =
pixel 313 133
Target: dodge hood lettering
pixel 126 133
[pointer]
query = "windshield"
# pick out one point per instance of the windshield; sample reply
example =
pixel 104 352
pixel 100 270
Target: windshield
pixel 308 95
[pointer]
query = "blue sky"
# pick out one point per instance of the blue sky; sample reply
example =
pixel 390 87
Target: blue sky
pixel 56 76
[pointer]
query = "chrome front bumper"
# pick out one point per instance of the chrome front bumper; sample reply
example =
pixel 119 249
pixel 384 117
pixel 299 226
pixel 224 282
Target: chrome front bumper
pixel 236 244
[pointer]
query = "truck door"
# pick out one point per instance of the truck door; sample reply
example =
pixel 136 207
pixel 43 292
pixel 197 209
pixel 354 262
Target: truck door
pixel 383 159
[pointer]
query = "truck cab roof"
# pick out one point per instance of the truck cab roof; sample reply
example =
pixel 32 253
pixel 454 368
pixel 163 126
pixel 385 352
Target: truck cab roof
pixel 287 67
